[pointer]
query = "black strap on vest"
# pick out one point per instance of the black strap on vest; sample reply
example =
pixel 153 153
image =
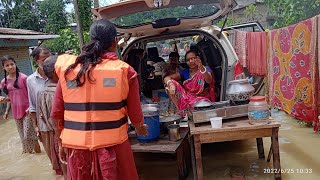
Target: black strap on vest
pixel 95 106
pixel 90 126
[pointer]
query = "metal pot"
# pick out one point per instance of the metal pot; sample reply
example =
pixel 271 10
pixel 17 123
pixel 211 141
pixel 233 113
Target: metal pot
pixel 166 121
pixel 239 90
pixel 150 110
pixel 174 132
pixel 202 105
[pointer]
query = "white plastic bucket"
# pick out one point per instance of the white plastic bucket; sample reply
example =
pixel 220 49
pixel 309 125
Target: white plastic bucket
pixel 216 122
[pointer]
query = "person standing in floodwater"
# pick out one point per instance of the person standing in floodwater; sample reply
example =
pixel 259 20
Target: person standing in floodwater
pixel 15 86
pixel 98 92
pixel 45 99
pixel 36 83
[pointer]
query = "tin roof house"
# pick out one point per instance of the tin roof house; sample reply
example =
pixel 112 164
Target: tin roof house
pixel 17 42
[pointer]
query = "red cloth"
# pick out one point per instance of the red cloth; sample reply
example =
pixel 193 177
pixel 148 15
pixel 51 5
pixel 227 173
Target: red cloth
pixel 238 71
pixel 126 166
pixel 116 162
pixel 257 53
pixel 57 111
pixel 94 165
pixel 293 76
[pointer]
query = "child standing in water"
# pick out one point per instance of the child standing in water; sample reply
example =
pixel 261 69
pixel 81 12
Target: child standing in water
pixel 36 83
pixel 44 103
pixel 15 86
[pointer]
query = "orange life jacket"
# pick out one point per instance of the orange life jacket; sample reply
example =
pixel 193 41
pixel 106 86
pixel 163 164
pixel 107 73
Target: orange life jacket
pixel 95 114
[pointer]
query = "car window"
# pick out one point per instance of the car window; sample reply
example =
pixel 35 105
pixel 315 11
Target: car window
pixel 185 12
pixel 181 45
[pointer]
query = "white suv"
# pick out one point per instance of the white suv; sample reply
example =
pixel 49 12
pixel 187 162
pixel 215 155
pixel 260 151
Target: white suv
pixel 181 24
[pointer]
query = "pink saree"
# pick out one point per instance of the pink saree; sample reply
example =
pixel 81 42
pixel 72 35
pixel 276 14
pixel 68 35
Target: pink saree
pixel 188 93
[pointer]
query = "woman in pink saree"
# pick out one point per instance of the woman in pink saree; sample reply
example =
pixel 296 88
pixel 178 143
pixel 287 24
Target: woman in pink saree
pixel 197 84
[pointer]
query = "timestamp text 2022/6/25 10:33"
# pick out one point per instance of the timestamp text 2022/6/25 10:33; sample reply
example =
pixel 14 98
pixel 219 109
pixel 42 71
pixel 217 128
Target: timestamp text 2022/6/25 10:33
pixel 288 170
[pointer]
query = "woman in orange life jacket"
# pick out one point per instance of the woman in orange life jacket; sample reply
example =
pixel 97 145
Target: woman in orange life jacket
pixel 94 141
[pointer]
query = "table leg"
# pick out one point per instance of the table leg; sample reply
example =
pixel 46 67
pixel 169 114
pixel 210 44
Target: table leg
pixel 193 159
pixel 183 157
pixel 275 152
pixel 270 153
pixel 260 148
pixel 188 154
pixel 197 148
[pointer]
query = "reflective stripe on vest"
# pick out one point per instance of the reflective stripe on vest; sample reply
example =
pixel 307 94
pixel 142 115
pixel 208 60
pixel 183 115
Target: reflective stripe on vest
pixel 95 125
pixel 95 106
pixel 95 114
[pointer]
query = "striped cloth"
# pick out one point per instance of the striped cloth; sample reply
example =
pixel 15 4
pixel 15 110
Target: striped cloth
pixel 43 108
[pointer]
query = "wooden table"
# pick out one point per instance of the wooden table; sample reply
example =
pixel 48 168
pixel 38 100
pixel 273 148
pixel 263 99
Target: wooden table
pixel 237 129
pixel 181 148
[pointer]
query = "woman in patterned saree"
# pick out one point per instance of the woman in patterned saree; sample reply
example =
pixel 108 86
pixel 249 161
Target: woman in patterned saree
pixel 197 83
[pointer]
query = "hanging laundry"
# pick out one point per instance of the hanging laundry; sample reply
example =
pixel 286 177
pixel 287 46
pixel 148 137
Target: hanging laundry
pixel 241 46
pixel 238 71
pixel 257 43
pixel 292 70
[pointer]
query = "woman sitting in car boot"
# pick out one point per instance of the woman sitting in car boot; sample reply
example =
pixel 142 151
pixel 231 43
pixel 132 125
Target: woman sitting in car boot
pixel 197 83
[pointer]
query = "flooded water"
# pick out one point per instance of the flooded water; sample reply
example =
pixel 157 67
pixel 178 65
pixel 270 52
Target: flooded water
pixel 17 166
pixel 299 152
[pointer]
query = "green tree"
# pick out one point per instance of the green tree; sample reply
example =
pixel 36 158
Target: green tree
pixel 5 13
pixel 21 14
pixel 53 15
pixel 68 40
pixel 46 15
pixel 85 13
pixel 229 22
pixel 251 12
pixel 289 12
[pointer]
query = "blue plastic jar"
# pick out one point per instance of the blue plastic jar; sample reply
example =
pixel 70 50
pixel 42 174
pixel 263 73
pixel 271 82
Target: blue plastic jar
pixel 152 119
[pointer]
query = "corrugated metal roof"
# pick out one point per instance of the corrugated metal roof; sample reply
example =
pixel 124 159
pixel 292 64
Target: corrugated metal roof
pixel 19 31
pixel 40 37
pixel 9 33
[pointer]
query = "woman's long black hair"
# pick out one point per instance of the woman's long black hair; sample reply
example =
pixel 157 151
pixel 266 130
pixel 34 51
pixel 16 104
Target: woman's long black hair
pixel 15 84
pixel 102 35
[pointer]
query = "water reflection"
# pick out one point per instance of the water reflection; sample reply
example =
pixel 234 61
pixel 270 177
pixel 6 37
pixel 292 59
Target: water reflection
pixel 299 149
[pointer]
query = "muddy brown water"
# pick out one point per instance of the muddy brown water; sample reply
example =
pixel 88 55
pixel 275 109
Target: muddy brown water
pixel 299 153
